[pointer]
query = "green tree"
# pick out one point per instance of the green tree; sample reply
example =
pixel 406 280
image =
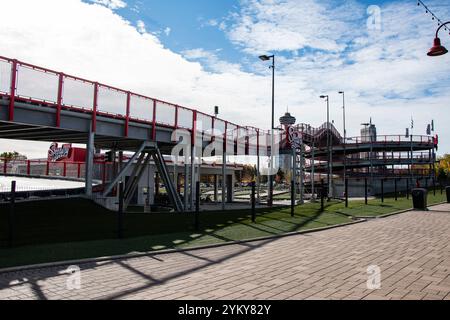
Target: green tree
pixel 9 156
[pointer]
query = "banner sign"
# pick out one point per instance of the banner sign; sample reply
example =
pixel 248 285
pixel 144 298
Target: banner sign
pixel 295 138
pixel 57 154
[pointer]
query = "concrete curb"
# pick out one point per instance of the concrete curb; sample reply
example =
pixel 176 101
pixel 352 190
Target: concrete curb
pixel 169 251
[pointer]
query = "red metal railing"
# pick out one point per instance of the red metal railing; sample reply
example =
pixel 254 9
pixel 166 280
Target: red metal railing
pixel 43 168
pixel 21 81
pixel 384 139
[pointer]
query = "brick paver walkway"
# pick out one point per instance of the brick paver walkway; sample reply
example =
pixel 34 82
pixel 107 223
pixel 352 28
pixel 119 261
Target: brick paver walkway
pixel 412 251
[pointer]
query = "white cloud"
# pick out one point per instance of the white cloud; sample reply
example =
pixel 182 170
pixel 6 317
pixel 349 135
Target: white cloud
pixel 112 4
pixel 275 25
pixel 167 31
pixel 141 26
pixel 211 61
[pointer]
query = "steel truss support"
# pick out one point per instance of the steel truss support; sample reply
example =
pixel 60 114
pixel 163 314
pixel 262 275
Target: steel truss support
pixel 143 155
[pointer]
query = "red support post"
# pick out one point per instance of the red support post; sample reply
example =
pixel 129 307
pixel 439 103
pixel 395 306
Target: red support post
pixel 59 100
pixel 94 108
pixel 28 167
pixel 65 169
pixel 47 169
pixel 5 166
pixel 154 121
pixel 79 171
pixel 127 119
pixel 13 88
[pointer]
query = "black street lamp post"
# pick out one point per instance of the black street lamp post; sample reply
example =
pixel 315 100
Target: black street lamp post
pixel 327 98
pixel 267 58
pixel 345 136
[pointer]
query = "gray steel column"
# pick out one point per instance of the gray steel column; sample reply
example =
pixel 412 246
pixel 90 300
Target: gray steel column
pixel 258 180
pixel 120 161
pixel 89 166
pixel 302 196
pixel 216 188
pixel 294 172
pixel 193 178
pixel 175 173
pixel 331 169
pixel 224 179
pixel 186 186
pixel 313 196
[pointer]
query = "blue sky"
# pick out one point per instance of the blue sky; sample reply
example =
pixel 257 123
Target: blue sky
pixel 202 53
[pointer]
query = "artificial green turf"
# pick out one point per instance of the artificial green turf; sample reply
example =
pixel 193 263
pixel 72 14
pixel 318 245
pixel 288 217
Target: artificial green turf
pixel 76 228
pixel 53 233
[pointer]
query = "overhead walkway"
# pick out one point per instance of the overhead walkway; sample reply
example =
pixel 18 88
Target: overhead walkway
pixel 40 104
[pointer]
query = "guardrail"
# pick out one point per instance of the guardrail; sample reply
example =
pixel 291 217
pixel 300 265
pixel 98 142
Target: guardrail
pixel 384 139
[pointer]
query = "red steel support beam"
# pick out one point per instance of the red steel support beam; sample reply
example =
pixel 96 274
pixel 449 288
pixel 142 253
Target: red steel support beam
pixel 127 119
pixel 94 108
pixel 65 169
pixel 28 167
pixel 47 169
pixel 5 166
pixel 154 121
pixel 79 171
pixel 59 101
pixel 12 96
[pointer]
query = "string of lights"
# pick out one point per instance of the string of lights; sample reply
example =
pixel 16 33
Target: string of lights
pixel 433 16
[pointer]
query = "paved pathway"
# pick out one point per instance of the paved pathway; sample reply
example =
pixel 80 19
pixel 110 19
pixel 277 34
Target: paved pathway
pixel 412 251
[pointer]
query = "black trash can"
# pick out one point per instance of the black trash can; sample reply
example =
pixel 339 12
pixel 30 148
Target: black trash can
pixel 420 197
pixel 447 190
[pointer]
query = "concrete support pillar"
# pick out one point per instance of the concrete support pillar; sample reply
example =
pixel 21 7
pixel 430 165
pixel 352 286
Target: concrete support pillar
pixel 186 186
pixel 313 177
pixel 216 188
pixel 89 170
pixel 230 188
pixel 175 173
pixel 258 180
pixel 224 179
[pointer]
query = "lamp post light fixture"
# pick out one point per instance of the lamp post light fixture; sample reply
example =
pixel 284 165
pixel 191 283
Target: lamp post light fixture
pixel 438 49
pixel 330 186
pixel 267 58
